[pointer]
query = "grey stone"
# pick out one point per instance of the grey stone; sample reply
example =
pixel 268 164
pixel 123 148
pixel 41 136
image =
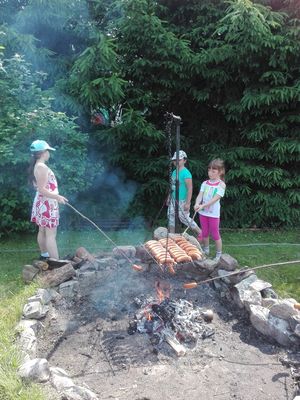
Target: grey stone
pixel 193 240
pixel 227 262
pixel 283 309
pixel 28 342
pixel 268 302
pixel 35 370
pixel 271 326
pixel 297 330
pixel 34 310
pixel 280 331
pixel 209 265
pixel 28 323
pixel 260 285
pixel 160 233
pixel 293 321
pixel 69 289
pixel 86 279
pixel 124 252
pixel 269 293
pixel 60 379
pixel 222 273
pixel 105 262
pixel 29 273
pixel 88 266
pixel 245 283
pixel 79 393
pixel 245 297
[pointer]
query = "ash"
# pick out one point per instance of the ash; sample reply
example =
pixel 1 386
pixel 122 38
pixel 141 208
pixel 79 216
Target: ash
pixel 179 320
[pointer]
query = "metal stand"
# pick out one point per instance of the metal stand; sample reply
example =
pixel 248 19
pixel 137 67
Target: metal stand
pixel 177 120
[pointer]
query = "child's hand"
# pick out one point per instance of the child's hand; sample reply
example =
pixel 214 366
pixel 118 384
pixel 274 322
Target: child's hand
pixel 187 206
pixel 198 207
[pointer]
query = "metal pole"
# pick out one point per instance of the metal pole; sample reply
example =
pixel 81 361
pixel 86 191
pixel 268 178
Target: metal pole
pixel 177 223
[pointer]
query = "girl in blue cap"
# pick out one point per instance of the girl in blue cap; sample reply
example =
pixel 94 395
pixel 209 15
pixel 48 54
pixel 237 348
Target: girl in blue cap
pixel 45 210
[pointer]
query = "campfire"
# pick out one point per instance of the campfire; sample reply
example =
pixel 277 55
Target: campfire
pixel 178 322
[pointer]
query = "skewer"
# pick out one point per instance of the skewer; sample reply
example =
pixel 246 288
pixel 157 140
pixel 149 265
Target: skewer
pixel 101 231
pixel 191 285
pixel 186 229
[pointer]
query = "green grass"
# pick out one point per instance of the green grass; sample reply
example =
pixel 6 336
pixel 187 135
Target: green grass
pixel 249 248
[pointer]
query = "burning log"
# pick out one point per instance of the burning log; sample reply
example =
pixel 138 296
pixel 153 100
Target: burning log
pixel 179 349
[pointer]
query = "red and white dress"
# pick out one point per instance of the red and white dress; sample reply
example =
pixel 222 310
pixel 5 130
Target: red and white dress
pixel 45 211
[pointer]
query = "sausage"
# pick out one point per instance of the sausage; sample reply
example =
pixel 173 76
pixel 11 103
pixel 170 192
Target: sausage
pixel 183 259
pixel 195 256
pixel 190 285
pixel 137 267
pixel 171 269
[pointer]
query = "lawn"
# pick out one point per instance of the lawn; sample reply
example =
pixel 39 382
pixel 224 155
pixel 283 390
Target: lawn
pixel 250 248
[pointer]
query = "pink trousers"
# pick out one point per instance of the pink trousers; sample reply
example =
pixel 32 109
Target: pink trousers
pixel 210 226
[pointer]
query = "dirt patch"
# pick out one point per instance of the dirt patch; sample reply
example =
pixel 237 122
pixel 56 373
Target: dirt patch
pixel 88 338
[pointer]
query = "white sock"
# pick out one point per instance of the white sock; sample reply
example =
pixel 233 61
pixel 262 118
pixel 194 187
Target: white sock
pixel 46 254
pixel 218 254
pixel 206 250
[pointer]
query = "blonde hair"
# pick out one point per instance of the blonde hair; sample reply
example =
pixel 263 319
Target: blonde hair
pixel 218 164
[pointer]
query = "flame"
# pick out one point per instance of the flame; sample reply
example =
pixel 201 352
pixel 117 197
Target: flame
pixel 162 291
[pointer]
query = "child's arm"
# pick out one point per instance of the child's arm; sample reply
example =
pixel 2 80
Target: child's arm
pixel 210 202
pixel 189 185
pixel 214 199
pixel 198 201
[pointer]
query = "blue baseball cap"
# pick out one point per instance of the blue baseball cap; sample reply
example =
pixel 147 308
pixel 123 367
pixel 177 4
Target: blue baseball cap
pixel 40 145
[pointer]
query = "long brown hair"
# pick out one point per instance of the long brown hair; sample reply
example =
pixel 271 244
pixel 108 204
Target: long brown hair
pixel 218 164
pixel 35 156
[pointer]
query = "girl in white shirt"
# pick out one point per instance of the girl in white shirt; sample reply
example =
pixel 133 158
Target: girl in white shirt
pixel 208 205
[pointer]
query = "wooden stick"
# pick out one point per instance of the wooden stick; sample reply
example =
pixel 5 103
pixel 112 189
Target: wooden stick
pixel 186 229
pixel 241 271
pixel 176 346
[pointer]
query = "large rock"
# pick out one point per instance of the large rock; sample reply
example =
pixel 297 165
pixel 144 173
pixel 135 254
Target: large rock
pixel 126 252
pixel 69 289
pixel 271 326
pixel 227 262
pixel 29 273
pixel 244 298
pixel 35 370
pixel 60 379
pixel 193 240
pixel 283 309
pixel 79 393
pixel 160 233
pixel 260 285
pixel 34 310
pixel 28 342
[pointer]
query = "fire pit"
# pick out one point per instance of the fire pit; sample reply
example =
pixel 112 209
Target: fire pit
pixel 131 334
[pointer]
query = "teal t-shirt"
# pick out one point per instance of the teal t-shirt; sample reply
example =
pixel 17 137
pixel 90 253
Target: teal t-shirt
pixel 182 176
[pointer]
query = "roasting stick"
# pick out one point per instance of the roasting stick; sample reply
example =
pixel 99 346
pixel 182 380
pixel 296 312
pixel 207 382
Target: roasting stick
pixel 192 285
pixel 101 231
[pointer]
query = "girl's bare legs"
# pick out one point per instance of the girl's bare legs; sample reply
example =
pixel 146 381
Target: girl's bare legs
pixel 51 242
pixel 205 242
pixel 41 239
pixel 219 245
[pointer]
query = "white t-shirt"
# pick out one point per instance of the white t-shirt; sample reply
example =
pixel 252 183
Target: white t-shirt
pixel 210 190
